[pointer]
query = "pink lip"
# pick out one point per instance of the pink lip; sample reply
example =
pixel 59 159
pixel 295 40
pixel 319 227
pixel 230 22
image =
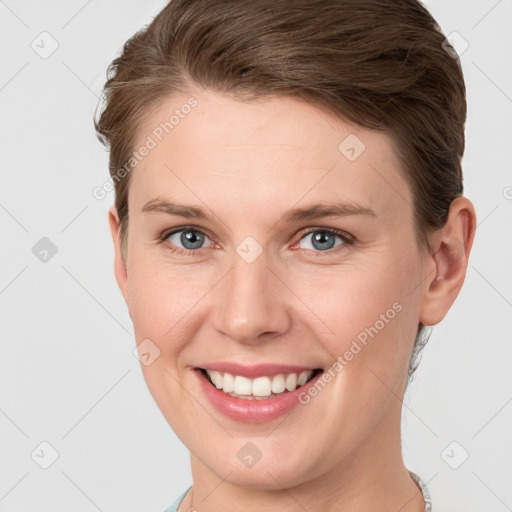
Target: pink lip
pixel 259 370
pixel 252 411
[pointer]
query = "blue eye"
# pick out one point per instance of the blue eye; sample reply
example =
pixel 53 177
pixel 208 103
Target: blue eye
pixel 191 239
pixel 324 239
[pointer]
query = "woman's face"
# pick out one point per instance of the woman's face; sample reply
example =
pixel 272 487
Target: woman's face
pixel 254 281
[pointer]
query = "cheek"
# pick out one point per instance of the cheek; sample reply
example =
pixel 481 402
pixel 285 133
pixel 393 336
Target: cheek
pixel 366 315
pixel 371 332
pixel 155 298
pixel 162 300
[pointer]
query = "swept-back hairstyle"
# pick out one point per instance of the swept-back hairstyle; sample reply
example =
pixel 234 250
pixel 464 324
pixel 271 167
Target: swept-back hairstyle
pixel 383 65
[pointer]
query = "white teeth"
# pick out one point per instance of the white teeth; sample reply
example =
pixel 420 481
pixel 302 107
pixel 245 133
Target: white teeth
pixel 216 378
pixel 291 381
pixel 228 384
pixel 303 377
pixel 242 385
pixel 278 384
pixel 236 385
pixel 261 386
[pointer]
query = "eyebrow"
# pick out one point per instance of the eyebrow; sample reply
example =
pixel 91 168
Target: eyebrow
pixel 315 211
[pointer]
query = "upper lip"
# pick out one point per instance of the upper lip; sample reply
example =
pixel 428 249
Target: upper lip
pixel 258 370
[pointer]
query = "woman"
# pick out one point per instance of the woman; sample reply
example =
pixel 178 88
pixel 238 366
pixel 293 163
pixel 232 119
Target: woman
pixel 288 218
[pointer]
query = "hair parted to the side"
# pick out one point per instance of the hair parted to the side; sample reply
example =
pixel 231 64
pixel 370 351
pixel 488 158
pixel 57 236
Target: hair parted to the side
pixel 381 65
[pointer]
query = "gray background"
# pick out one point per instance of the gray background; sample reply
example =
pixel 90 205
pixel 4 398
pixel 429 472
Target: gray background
pixel 68 374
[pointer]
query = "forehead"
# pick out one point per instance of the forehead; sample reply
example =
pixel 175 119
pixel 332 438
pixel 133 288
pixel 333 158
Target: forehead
pixel 207 144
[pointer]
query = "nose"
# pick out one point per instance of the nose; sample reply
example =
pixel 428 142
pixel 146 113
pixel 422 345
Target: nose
pixel 252 302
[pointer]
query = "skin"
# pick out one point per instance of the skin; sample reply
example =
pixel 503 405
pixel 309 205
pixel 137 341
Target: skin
pixel 247 163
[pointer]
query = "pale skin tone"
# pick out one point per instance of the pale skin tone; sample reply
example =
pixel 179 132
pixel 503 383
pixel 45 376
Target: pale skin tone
pixel 247 164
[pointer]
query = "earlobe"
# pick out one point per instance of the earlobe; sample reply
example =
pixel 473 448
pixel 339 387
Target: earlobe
pixel 120 267
pixel 451 246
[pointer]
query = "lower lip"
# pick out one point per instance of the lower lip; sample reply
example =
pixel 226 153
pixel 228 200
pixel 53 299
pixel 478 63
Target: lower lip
pixel 253 411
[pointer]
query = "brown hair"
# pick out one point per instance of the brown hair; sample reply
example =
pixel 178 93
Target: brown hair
pixel 383 65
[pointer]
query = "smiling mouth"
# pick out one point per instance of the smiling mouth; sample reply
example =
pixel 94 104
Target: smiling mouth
pixel 259 388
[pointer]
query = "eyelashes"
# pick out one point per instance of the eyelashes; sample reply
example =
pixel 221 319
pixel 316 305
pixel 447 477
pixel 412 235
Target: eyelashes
pixel 347 240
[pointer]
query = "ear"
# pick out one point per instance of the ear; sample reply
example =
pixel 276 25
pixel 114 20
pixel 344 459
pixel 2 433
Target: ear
pixel 120 267
pixel 446 265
